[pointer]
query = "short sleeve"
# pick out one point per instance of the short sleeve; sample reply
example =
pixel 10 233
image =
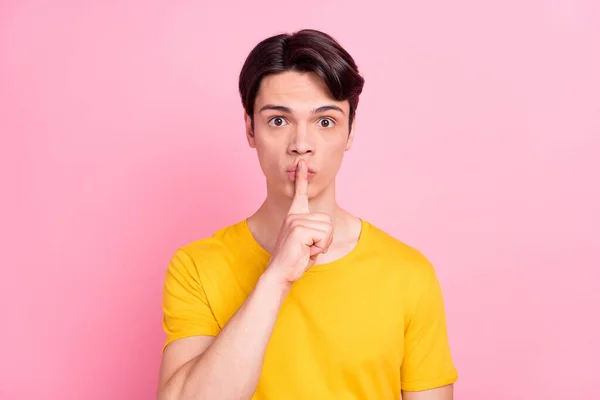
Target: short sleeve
pixel 186 311
pixel 427 362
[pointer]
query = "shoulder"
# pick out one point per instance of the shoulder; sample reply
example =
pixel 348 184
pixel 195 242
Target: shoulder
pixel 406 259
pixel 213 250
pixel 416 275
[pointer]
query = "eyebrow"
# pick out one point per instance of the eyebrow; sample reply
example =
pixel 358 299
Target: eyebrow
pixel 288 110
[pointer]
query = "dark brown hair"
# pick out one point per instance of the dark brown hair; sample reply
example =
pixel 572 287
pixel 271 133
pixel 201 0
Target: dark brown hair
pixel 307 50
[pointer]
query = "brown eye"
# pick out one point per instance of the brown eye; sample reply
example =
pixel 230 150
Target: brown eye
pixel 326 123
pixel 277 122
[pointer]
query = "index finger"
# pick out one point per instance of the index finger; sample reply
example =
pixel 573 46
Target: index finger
pixel 300 201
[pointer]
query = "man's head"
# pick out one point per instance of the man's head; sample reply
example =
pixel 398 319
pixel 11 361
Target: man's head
pixel 300 93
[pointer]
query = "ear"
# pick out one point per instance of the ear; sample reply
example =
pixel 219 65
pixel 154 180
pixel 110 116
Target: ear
pixel 249 132
pixel 351 135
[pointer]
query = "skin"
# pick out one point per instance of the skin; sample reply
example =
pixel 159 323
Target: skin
pixel 300 135
pixel 282 137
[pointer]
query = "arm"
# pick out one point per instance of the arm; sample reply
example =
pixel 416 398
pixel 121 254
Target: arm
pixel 441 393
pixel 228 366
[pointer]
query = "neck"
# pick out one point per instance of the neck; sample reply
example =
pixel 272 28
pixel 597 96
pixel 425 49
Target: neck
pixel 266 222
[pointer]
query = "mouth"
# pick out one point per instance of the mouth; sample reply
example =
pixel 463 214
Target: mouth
pixel 291 171
pixel 295 166
pixel 292 174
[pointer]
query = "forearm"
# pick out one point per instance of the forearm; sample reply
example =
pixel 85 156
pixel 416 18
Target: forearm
pixel 441 393
pixel 230 368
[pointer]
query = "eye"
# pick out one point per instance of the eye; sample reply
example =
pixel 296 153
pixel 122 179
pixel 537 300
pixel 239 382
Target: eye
pixel 326 123
pixel 277 122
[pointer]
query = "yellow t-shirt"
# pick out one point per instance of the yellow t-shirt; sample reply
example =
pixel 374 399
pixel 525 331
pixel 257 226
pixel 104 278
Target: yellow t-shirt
pixel 363 327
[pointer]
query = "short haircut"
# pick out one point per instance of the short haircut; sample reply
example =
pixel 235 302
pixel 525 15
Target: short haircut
pixel 307 50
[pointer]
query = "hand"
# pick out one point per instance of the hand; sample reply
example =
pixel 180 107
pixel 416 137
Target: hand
pixel 303 235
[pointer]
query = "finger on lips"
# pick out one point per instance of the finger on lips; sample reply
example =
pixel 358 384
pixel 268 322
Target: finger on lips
pixel 300 201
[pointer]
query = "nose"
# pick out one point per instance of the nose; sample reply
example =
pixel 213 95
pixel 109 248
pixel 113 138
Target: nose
pixel 301 142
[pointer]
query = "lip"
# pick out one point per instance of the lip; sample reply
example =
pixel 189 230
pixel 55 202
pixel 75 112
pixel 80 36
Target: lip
pixel 292 172
pixel 295 166
pixel 292 175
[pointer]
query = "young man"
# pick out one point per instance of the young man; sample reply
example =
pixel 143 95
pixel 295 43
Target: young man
pixel 302 300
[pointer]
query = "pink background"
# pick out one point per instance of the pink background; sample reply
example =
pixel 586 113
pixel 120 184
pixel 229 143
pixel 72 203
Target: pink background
pixel 122 138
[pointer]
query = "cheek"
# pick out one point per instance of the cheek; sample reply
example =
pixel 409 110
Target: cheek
pixel 335 149
pixel 331 157
pixel 268 156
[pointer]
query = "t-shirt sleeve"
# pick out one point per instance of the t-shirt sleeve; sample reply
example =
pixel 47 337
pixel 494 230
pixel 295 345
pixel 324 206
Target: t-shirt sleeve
pixel 186 311
pixel 427 362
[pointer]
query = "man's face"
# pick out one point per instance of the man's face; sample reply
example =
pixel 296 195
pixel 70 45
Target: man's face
pixel 296 118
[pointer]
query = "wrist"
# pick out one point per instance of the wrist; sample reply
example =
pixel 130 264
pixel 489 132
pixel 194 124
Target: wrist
pixel 271 281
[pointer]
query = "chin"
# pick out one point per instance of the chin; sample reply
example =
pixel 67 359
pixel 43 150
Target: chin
pixel 289 190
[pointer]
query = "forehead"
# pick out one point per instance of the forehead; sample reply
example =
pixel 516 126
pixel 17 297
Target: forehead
pixel 297 90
